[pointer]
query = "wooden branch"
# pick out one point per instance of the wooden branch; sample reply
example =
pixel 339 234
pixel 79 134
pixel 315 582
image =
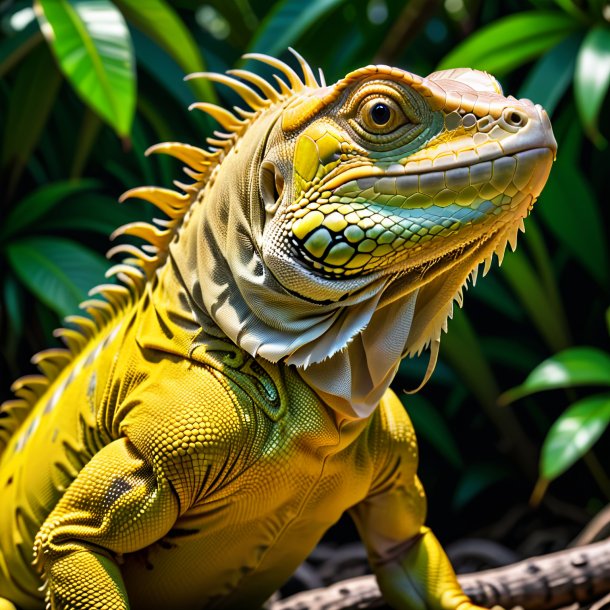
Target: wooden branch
pixel 574 576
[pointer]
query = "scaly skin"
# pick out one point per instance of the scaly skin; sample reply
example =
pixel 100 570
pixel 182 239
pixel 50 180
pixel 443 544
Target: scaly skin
pixel 227 405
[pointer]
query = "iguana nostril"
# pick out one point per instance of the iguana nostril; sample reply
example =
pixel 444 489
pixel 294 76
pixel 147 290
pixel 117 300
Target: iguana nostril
pixel 514 118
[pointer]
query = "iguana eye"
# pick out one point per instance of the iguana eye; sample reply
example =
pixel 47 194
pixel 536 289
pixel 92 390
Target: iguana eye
pixel 381 115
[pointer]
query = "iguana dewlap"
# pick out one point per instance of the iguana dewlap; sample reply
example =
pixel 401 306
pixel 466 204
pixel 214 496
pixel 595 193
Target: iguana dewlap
pixel 228 400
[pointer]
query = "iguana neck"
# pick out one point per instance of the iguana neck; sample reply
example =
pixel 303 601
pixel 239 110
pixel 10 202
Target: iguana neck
pixel 216 273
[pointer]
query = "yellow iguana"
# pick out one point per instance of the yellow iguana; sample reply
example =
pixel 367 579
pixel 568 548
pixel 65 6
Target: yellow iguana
pixel 228 400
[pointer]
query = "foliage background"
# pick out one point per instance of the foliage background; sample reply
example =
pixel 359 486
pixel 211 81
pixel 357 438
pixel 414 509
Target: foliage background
pixel 78 110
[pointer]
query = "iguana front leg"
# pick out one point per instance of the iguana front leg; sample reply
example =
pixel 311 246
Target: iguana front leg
pixel 412 568
pixel 117 504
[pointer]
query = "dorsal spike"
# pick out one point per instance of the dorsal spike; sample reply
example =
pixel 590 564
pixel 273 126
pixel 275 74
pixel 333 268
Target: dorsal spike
pixel 134 251
pixel 187 188
pixel 73 339
pixel 196 176
pixel 310 77
pixel 284 88
pixel 168 201
pixel 143 230
pixel 130 270
pixel 215 142
pixel 253 99
pixel 296 83
pixel 191 155
pixel 118 296
pixel 34 383
pixel 51 361
pixel 83 324
pixel 322 77
pixel 268 90
pixel 246 114
pixel 226 118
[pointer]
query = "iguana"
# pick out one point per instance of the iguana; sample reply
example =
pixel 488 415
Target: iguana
pixel 224 403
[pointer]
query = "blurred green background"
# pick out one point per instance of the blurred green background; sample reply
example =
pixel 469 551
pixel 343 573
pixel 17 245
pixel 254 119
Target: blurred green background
pixel 509 426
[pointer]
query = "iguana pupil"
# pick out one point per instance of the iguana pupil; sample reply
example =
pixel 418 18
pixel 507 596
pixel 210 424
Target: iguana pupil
pixel 380 114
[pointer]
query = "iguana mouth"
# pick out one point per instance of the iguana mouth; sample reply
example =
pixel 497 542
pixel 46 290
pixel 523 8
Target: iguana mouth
pixel 381 221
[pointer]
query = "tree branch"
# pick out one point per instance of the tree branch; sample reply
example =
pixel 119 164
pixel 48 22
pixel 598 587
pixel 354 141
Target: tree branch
pixel 578 575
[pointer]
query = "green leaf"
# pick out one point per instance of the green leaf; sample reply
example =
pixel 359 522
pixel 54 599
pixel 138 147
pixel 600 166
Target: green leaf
pixel 158 20
pixel 430 425
pixel 549 79
pixel 287 22
pixel 100 215
pixel 573 434
pixel 31 101
pixel 569 208
pixel 576 366
pixel 38 203
pixel 511 41
pixel 93 47
pixel 592 79
pixel 59 272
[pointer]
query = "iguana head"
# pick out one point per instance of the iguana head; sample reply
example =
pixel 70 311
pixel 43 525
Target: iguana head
pixel 340 222
pixel 389 173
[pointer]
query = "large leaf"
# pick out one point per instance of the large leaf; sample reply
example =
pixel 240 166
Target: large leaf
pixel 549 79
pixel 576 366
pixel 573 434
pixel 92 45
pixel 59 272
pixel 510 42
pixel 287 22
pixel 158 20
pixel 93 212
pixel 39 202
pixel 592 79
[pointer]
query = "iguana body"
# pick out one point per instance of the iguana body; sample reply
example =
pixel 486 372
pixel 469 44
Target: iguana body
pixel 230 401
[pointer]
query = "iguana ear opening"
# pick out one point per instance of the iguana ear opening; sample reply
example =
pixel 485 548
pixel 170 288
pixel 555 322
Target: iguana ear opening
pixel 271 186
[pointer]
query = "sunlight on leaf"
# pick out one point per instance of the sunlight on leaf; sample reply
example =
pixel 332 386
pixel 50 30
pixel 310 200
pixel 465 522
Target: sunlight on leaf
pixel 592 79
pixel 92 45
pixel 573 434
pixel 576 366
